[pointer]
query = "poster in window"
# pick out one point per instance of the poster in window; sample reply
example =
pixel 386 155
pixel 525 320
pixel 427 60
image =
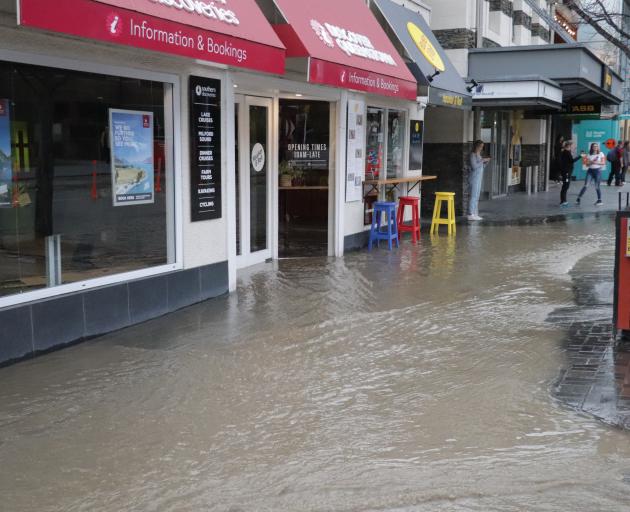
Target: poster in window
pixel 6 167
pixel 355 165
pixel 131 146
pixel 416 143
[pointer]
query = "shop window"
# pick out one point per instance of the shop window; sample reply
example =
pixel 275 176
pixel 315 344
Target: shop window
pixel 84 180
pixel 384 152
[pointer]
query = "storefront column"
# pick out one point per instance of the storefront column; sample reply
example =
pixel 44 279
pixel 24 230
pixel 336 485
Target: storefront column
pixel 230 179
pixel 340 177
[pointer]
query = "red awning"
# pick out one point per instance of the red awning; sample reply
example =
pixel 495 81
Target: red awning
pixel 231 32
pixel 345 45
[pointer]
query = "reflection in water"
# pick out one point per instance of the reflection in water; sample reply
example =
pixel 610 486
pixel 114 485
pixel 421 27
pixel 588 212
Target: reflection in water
pixel 416 379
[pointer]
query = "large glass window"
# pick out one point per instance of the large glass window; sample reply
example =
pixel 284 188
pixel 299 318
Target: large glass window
pixel 84 177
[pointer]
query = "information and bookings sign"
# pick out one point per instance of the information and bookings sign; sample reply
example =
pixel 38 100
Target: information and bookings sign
pixel 205 151
pixel 153 29
pixel 131 143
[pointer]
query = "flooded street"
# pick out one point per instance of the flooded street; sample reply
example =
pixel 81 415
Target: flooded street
pixel 407 381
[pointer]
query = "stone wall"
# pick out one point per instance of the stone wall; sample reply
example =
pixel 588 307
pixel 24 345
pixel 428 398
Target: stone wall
pixel 523 19
pixel 539 30
pixel 456 38
pixel 505 6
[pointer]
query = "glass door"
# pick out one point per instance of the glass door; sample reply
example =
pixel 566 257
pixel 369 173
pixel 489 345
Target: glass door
pixel 253 180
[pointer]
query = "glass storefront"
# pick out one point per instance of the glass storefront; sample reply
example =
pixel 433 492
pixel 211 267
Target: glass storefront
pixel 84 181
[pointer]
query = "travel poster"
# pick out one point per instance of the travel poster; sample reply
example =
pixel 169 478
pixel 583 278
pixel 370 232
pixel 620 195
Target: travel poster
pixel 6 167
pixel 131 146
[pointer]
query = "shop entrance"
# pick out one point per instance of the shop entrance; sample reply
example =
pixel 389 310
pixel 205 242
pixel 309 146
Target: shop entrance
pixel 495 132
pixel 305 161
pixel 253 180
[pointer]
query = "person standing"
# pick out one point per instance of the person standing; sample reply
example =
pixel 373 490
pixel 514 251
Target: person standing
pixel 596 162
pixel 566 170
pixel 615 157
pixel 625 161
pixel 477 164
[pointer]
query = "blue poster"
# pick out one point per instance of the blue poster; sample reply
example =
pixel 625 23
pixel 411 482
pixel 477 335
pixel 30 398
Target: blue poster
pixel 131 143
pixel 6 167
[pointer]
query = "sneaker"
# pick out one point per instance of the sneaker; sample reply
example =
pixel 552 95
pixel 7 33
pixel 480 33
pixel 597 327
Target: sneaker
pixel 564 205
pixel 474 217
pixel 599 203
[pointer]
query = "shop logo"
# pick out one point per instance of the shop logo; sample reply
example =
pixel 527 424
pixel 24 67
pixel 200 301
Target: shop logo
pixel 425 46
pixel 258 157
pixel 114 25
pixel 322 33
pixel 206 9
pixel 343 76
pixel 198 90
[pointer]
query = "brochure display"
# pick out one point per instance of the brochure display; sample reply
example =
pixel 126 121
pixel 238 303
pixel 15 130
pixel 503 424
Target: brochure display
pixel 355 166
pixel 131 146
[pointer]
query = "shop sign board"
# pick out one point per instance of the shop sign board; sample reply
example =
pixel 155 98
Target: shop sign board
pixel 346 47
pixel 207 32
pixel 449 99
pixel 584 108
pixel 355 152
pixel 607 79
pixel 6 167
pixel 205 148
pixel 416 145
pixel 518 90
pixel 131 147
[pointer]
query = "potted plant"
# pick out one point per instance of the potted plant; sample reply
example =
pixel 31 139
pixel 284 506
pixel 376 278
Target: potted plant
pixel 286 174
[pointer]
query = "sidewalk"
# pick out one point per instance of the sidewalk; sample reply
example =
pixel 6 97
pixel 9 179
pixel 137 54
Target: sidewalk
pixel 545 206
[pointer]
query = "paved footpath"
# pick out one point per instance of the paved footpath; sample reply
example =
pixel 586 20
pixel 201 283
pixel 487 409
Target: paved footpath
pixel 596 377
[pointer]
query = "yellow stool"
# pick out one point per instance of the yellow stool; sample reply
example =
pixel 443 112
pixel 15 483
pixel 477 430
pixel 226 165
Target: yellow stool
pixel 449 198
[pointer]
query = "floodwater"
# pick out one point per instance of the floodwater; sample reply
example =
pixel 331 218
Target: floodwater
pixel 407 381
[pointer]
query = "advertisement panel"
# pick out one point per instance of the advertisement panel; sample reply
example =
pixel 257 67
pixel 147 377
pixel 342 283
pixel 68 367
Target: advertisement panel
pixel 6 167
pixel 131 146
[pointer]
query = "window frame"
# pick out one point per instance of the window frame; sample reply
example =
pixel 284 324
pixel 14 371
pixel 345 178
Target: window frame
pixel 174 208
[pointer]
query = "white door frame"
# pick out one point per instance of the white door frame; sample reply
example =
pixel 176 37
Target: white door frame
pixel 247 258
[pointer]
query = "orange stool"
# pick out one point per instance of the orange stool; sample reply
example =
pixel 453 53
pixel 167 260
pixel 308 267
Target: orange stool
pixel 414 227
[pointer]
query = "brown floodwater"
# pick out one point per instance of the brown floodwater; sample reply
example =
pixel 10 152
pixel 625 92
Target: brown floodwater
pixel 407 381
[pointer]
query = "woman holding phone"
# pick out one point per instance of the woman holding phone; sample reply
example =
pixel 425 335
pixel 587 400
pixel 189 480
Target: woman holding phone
pixel 596 161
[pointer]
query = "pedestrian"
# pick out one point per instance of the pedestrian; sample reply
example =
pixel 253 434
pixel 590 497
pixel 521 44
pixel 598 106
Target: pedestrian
pixel 625 161
pixel 615 157
pixel 596 161
pixel 477 164
pixel 556 173
pixel 566 169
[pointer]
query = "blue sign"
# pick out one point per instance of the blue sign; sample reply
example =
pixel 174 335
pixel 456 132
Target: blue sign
pixel 6 167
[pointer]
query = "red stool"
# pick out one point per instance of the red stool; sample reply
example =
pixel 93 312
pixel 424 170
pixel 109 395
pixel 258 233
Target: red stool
pixel 414 227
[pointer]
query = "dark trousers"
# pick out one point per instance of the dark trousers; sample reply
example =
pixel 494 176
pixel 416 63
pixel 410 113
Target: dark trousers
pixel 566 183
pixel 615 173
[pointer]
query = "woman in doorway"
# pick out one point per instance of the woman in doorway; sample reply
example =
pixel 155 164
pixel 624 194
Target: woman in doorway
pixel 566 169
pixel 477 164
pixel 596 162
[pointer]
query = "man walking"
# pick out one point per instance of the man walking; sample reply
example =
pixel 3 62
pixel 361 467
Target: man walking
pixel 615 157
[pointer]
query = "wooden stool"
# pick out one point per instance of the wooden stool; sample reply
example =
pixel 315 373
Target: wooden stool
pixel 414 227
pixel 449 198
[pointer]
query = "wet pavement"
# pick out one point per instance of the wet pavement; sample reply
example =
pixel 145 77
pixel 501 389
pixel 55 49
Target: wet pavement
pixel 427 378
pixel 543 207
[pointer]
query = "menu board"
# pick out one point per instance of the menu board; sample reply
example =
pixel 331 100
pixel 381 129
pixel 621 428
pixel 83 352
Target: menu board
pixel 205 152
pixel 355 164
pixel 416 145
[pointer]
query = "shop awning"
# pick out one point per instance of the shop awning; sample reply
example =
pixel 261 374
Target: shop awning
pixel 424 55
pixel 574 68
pixel 233 33
pixel 526 93
pixel 344 47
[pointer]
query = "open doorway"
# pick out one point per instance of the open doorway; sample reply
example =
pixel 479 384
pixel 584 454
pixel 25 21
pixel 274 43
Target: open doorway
pixel 304 172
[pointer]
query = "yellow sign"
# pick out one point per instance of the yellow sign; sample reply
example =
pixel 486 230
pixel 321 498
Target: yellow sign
pixel 425 46
pixel 456 101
